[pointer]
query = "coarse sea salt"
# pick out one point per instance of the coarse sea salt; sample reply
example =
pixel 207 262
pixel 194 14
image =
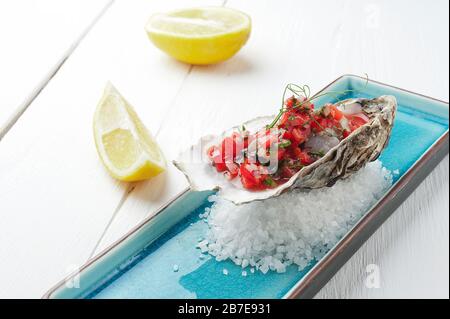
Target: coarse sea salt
pixel 294 228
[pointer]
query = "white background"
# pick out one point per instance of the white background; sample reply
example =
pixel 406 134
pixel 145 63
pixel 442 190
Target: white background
pixel 58 207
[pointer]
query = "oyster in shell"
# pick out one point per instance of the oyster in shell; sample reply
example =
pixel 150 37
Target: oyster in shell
pixel 341 159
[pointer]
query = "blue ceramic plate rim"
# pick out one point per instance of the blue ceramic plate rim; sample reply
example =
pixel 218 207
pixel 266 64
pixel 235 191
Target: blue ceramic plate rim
pixel 303 287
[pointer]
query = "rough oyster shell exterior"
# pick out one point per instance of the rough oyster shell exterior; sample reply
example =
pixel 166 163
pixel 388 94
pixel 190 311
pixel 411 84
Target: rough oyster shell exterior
pixel 352 153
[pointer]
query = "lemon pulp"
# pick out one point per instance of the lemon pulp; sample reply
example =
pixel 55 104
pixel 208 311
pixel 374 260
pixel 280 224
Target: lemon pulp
pixel 200 35
pixel 126 148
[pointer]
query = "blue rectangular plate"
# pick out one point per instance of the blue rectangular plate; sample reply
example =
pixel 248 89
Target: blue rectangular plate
pixel 140 265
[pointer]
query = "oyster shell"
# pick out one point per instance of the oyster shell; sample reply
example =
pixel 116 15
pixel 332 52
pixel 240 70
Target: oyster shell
pixel 348 156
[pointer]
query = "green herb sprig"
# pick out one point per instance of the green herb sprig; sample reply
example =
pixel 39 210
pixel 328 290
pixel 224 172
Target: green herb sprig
pixel 305 92
pixel 319 153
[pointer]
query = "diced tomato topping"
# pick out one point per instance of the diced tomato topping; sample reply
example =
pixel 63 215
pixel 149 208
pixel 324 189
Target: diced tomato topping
pixel 281 153
pixel 267 141
pixel 298 135
pixel 235 135
pixel 317 124
pixel 292 119
pixel 287 135
pixel 248 140
pixel 287 172
pixel 248 180
pixel 284 119
pixel 247 183
pixel 227 148
pixel 296 120
pixel 231 147
pixel 212 151
pixel 305 159
pixel 233 168
pixel 215 155
pixel 234 156
pixel 290 102
pixel 358 121
pixel 335 113
pixel 246 172
pixel 297 152
pixel 219 164
pixel 346 133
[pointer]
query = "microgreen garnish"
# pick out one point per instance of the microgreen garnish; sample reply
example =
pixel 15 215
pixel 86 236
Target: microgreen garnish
pixel 284 143
pixel 304 92
pixel 319 153
pixel 270 182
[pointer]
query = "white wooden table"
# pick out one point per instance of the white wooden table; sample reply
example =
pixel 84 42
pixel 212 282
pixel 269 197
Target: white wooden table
pixel 58 207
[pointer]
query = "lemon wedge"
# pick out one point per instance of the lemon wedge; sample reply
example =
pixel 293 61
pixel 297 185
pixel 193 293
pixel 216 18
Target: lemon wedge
pixel 200 35
pixel 126 148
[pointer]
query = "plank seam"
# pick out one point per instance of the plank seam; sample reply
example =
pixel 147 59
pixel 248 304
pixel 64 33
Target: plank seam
pixel 174 99
pixel 127 192
pixel 21 109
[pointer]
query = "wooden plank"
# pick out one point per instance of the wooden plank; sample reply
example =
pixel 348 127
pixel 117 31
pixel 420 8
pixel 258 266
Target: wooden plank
pixel 55 197
pixel 36 38
pixel 303 43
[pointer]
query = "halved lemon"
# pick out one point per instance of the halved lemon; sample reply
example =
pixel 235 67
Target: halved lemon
pixel 200 35
pixel 126 148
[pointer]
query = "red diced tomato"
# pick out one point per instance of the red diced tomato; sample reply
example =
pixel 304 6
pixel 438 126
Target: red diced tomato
pixel 227 148
pixel 317 124
pixel 215 155
pixel 306 131
pixel 287 135
pixel 297 152
pixel 252 175
pixel 297 135
pixel 219 164
pixel 212 151
pixel 346 133
pixel 267 138
pixel 287 172
pixel 248 140
pixel 290 102
pixel 297 119
pixel 281 153
pixel 284 119
pixel 247 173
pixel 335 113
pixel 248 180
pixel 247 183
pixel 231 146
pixel 233 169
pixel 358 120
pixel 305 159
